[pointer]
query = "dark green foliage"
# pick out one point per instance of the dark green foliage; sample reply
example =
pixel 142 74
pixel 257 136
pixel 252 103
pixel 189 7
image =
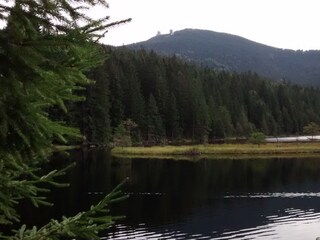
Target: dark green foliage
pixel 122 133
pixel 311 129
pixel 257 138
pixel 224 127
pixel 117 107
pixel 243 126
pixel 97 107
pixel 172 118
pixel 46 50
pixel 227 52
pixel 155 129
pixel 135 107
pixel 84 225
pixel 121 137
pixel 169 98
pixel 201 121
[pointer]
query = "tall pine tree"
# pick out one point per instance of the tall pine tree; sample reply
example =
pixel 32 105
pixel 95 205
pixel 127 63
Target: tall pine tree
pixel 154 121
pixel 173 125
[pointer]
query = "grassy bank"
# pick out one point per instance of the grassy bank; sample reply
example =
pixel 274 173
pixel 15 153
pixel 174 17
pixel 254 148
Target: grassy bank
pixel 61 148
pixel 278 149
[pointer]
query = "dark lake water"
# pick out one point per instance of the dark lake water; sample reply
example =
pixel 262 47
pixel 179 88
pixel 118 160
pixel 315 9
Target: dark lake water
pixel 200 199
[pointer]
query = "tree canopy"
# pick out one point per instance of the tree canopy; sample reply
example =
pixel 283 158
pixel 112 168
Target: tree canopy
pixel 176 100
pixel 312 129
pixel 46 48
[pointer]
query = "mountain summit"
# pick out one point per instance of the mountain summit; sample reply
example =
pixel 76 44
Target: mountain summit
pixel 233 53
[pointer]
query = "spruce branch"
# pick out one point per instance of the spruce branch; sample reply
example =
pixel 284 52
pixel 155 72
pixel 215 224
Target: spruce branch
pixel 85 225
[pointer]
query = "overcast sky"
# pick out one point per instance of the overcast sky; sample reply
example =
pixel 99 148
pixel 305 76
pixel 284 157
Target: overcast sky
pixel 292 24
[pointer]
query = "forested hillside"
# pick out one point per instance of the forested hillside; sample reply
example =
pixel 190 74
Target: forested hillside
pixel 233 53
pixel 166 98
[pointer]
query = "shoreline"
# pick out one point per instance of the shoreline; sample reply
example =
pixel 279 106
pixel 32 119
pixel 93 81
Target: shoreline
pixel 222 150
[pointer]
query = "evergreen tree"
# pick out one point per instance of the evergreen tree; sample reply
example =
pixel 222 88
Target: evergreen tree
pixel 250 103
pixel 173 126
pixel 45 49
pixel 271 123
pixel 154 121
pixel 117 107
pixel 311 129
pixel 135 100
pixel 243 126
pixel 121 136
pixel 218 129
pixel 225 120
pixel 98 106
pixel 257 138
pixel 202 122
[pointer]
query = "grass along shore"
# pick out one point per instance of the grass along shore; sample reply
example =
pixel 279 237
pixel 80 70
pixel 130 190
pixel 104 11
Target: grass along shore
pixel 267 149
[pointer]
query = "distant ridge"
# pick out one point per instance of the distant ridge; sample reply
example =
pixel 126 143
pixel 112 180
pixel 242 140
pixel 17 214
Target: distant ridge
pixel 233 53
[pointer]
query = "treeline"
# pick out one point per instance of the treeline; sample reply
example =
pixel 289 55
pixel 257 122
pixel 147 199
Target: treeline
pixel 147 97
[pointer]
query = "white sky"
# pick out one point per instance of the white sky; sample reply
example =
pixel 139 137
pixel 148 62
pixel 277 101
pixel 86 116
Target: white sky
pixel 292 24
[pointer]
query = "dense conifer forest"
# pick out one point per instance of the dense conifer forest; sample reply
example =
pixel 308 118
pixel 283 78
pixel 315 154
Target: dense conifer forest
pixel 152 99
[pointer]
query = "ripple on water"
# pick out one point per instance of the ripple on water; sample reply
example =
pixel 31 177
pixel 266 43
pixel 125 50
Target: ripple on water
pixel 290 223
pixel 297 224
pixel 277 195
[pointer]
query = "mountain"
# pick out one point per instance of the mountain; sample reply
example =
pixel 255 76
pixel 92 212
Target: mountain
pixel 233 53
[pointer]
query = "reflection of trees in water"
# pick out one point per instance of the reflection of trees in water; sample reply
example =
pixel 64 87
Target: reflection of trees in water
pixel 94 175
pixel 193 193
pixel 164 190
pixel 219 176
pixel 187 185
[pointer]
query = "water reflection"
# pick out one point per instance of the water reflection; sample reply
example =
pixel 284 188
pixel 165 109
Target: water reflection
pixel 205 199
pixel 223 199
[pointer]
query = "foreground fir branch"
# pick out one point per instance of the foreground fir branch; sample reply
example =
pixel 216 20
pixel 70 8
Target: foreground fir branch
pixel 46 49
pixel 20 181
pixel 85 225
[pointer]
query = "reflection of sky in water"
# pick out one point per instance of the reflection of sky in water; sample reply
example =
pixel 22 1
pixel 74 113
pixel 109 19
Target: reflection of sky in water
pixel 298 224
pixel 294 228
pixel 276 195
pixel 253 218
pixel 224 199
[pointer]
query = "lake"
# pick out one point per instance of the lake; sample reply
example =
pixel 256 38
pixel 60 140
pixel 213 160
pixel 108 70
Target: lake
pixel 308 138
pixel 194 199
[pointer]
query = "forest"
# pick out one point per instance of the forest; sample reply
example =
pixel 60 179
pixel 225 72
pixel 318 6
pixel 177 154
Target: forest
pixel 155 99
pixel 55 78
